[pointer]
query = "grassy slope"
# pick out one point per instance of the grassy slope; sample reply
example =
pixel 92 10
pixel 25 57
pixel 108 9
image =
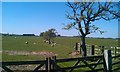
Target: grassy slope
pixel 63 47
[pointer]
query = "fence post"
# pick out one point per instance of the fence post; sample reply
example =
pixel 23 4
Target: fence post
pixel 92 49
pixel 46 65
pixel 80 48
pixel 107 61
pixel 49 64
pixel 76 46
pixel 53 65
pixel 115 51
pixel 102 49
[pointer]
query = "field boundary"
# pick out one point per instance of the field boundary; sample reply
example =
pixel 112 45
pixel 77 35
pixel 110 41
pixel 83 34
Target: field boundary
pixel 97 50
pixel 52 63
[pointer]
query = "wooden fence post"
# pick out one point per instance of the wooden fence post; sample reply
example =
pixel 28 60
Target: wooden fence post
pixel 49 64
pixel 76 46
pixel 80 48
pixel 107 61
pixel 93 49
pixel 115 51
pixel 46 65
pixel 54 59
pixel 102 49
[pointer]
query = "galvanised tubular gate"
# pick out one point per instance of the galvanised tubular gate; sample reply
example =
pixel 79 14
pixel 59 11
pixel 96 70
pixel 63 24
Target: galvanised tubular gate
pixel 51 64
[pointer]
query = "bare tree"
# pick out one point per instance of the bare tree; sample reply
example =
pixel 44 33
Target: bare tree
pixel 84 13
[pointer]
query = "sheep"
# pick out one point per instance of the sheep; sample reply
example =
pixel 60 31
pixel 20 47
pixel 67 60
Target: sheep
pixel 26 42
pixel 47 41
pixel 53 44
pixel 44 40
pixel 34 43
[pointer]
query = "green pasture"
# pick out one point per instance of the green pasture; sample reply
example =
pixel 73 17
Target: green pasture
pixel 63 47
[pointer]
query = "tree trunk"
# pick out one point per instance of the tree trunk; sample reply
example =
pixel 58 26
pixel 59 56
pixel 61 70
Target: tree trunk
pixel 83 46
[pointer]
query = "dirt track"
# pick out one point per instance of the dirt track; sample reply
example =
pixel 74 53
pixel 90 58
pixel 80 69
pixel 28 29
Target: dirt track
pixel 42 53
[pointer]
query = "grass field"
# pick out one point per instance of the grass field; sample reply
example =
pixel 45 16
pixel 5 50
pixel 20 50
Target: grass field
pixel 63 47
